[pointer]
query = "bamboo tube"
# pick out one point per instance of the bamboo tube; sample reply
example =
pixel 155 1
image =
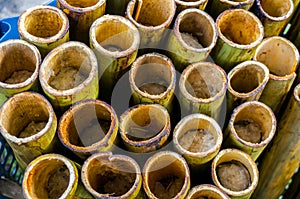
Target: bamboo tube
pixel 274 15
pixel 206 191
pixel 203 95
pixel 152 79
pixel 294 31
pixel 145 128
pixel 112 176
pixel 28 123
pixel 251 128
pixel 116 7
pixel 69 74
pixel 186 4
pixel 193 37
pixel 240 32
pixel 152 18
pixel 88 127
pixel 293 190
pixel 44 26
pixel 81 13
pixel 115 41
pixel 19 66
pixel 235 172
pixel 246 82
pixel 53 176
pixel 281 57
pixel 166 175
pixel 282 159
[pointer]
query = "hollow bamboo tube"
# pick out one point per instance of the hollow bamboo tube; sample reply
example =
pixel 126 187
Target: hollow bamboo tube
pixel 116 7
pixel 281 57
pixel 53 176
pixel 166 166
pixel 112 176
pixel 237 157
pixel 206 191
pixel 246 82
pixel 152 18
pixel 251 128
pixel 69 74
pixel 46 27
pixel 145 128
pixel 186 4
pixel 282 159
pixel 240 32
pixel 88 127
pixel 193 37
pixel 19 66
pixel 28 123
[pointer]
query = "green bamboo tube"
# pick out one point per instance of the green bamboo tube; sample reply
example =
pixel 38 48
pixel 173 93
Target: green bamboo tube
pixel 206 191
pixel 281 57
pixel 193 37
pixel 203 88
pixel 53 176
pixel 152 79
pixel 240 32
pixel 44 26
pixel 145 127
pixel 251 128
pixel 235 172
pixel 69 74
pixel 81 13
pixel 152 18
pixel 88 127
pixel 115 41
pixel 19 66
pixel 112 176
pixel 116 7
pixel 246 82
pixel 28 123
pixel 186 4
pixel 294 32
pixel 279 164
pixel 166 175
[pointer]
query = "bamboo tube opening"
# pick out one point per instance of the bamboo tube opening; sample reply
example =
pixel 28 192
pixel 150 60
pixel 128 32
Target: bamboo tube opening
pixel 82 3
pixel 277 8
pixel 190 2
pixel 206 191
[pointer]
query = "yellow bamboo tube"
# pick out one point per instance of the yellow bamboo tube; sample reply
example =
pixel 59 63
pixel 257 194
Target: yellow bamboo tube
pixel 44 26
pixel 186 4
pixel 19 66
pixel 112 176
pixel 69 74
pixel 206 191
pixel 28 123
pixel 166 175
pixel 193 38
pixel 88 127
pixel 282 159
pixel 53 176
pixel 235 172
pixel 240 32
pixel 281 57
pixel 81 13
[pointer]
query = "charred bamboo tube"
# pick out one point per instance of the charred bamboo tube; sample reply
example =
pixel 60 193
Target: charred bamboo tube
pixel 69 74
pixel 166 167
pixel 115 41
pixel 81 14
pixel 112 176
pixel 44 26
pixel 203 88
pixel 28 123
pixel 235 172
pixel 193 38
pixel 19 66
pixel 53 176
pixel 145 128
pixel 152 18
pixel 240 32
pixel 281 57
pixel 88 127
pixel 207 191
pixel 283 157
pixel 116 7
pixel 251 128
pixel 186 4
pixel 246 82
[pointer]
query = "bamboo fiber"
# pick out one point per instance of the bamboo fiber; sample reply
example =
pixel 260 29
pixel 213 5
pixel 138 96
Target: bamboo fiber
pixel 186 4
pixel 206 191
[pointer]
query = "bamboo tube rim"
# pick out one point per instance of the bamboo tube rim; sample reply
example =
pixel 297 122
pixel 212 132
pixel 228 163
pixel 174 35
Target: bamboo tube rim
pixel 281 18
pixel 37 56
pixel 237 3
pixel 47 9
pixel 78 9
pixel 296 93
pixel 207 187
pixel 190 3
